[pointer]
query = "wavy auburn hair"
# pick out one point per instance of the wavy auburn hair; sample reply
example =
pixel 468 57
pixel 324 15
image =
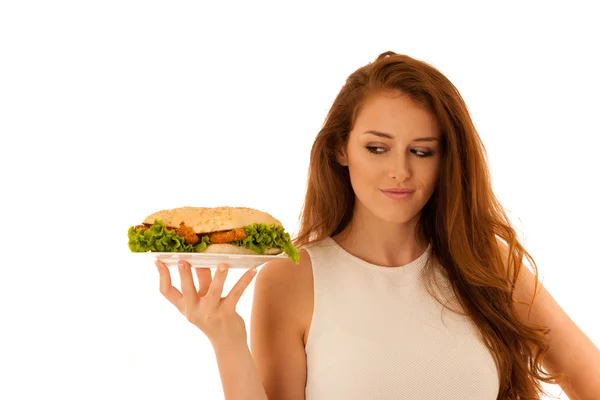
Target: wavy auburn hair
pixel 462 220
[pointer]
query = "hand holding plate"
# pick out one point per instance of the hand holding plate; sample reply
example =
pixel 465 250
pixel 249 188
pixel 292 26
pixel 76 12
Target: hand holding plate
pixel 205 307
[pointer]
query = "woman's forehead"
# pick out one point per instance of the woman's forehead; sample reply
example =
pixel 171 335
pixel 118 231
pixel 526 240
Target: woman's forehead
pixel 394 115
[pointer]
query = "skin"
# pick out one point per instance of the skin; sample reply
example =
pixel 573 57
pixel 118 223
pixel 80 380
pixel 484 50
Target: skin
pixel 216 317
pixel 283 293
pixel 383 152
pixel 382 231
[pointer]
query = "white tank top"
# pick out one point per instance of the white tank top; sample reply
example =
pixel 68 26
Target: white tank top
pixel 376 333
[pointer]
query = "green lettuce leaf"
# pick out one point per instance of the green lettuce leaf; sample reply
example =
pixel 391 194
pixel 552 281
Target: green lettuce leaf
pixel 262 236
pixel 158 238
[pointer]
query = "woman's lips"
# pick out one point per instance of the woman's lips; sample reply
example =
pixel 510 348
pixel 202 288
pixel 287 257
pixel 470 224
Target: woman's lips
pixel 398 194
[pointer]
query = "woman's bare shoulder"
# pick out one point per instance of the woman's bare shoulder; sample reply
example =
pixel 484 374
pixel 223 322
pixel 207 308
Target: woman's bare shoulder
pixel 284 287
pixel 283 280
pixel 284 271
pixel 281 314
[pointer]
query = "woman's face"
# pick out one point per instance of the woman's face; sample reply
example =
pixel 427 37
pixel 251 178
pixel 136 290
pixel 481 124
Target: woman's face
pixel 395 143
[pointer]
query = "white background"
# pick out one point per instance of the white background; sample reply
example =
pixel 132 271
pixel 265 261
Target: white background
pixel 111 110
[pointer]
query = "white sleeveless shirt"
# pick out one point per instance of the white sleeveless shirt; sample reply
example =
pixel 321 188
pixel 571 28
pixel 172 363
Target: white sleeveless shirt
pixel 376 333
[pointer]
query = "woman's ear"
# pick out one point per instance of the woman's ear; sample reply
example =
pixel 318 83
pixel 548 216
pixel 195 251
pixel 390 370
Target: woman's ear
pixel 341 155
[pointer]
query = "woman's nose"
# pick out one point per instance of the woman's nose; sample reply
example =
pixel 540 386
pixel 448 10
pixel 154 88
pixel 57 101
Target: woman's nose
pixel 399 169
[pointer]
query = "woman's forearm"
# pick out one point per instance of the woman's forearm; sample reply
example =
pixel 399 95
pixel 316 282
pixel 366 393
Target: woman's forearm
pixel 238 372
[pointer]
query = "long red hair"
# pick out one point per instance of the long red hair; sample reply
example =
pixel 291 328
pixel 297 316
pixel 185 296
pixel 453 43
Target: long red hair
pixel 462 220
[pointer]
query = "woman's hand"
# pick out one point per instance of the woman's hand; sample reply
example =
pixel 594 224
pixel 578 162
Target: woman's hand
pixel 204 307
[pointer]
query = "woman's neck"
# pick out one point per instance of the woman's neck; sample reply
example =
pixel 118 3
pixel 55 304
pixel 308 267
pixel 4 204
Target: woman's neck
pixel 380 242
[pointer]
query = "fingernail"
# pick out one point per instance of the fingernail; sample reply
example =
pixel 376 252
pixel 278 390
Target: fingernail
pixel 222 267
pixel 253 272
pixel 181 264
pixel 157 264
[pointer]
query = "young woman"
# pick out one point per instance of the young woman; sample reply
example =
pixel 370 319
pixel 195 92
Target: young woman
pixel 412 282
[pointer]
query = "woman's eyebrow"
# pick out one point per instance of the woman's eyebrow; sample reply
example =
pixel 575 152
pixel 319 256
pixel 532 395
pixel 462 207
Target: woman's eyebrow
pixel 380 134
pixel 388 136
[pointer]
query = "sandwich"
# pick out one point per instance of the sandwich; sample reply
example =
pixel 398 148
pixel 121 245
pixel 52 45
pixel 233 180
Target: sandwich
pixel 223 230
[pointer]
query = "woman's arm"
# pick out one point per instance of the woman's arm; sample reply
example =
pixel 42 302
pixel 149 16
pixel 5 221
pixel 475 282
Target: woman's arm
pixel 281 313
pixel 239 376
pixel 571 352
pixel 217 318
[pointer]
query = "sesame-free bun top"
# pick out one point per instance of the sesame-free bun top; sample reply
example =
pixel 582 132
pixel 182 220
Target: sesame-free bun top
pixel 212 219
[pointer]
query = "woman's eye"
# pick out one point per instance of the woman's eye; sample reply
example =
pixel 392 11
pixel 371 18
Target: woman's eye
pixel 423 154
pixel 381 150
pixel 376 149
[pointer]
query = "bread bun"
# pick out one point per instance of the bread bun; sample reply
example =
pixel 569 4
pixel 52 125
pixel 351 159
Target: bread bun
pixel 231 249
pixel 212 219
